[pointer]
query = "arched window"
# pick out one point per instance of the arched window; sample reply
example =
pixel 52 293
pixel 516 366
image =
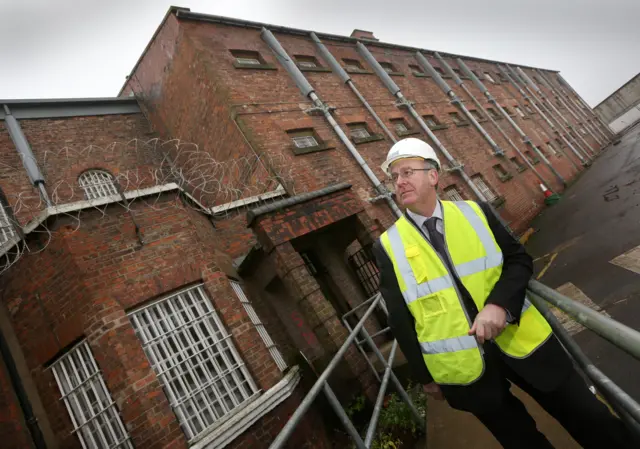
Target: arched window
pixel 97 184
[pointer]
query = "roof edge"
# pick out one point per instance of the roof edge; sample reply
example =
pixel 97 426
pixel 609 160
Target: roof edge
pixel 618 89
pixel 53 101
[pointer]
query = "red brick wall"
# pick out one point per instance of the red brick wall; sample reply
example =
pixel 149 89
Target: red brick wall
pixel 14 433
pixel 83 283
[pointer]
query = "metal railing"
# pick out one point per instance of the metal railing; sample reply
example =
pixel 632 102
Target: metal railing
pixel 539 294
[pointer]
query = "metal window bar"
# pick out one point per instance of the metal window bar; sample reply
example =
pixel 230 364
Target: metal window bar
pixel 97 184
pixel 360 133
pixel 7 231
pixel 305 141
pixel 484 188
pixel 322 384
pixel 255 319
pixel 194 357
pixel 247 61
pixel 93 413
pixel 363 265
pixel 453 194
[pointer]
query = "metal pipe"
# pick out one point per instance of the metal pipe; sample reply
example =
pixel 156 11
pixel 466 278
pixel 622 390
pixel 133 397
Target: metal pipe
pixel 403 102
pixel 344 76
pixel 608 130
pixel 491 100
pixel 625 406
pixel 454 99
pixel 581 111
pixel 371 430
pixel 569 108
pixel 24 150
pixel 307 90
pixel 399 388
pixel 359 345
pixel 344 418
pixel 552 107
pixel 501 131
pixel 533 101
pixel 617 333
pixel 287 430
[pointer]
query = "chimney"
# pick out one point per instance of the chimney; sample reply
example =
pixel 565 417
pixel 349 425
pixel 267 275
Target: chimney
pixel 366 35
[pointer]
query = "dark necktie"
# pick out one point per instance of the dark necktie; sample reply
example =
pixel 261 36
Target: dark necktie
pixel 436 239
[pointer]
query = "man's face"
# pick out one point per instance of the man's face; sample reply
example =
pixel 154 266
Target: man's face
pixel 414 180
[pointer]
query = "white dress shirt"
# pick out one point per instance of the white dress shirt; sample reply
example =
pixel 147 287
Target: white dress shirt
pixel 420 220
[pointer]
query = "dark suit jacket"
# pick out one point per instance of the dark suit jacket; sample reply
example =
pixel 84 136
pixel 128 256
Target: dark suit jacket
pixel 545 369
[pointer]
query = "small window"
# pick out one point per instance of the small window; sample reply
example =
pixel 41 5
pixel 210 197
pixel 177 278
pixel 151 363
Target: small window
pixel 493 113
pixel 480 183
pixel 502 77
pixel 97 184
pixel 519 111
pixel 453 193
pixel 7 231
pixel 93 412
pixel 517 163
pixel 307 62
pixel 476 115
pixel 304 140
pixel 195 359
pixel 388 67
pixel 440 71
pixel 431 121
pixel 506 109
pixel 529 109
pixel 245 57
pixel 416 69
pixel 533 159
pixel 559 143
pixel 457 119
pixel 476 74
pixel 400 125
pixel 489 78
pixel 551 148
pixel 353 65
pixel 359 130
pixel 501 172
pixel 459 73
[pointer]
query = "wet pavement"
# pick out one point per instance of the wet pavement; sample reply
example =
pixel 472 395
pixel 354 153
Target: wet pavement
pixel 576 240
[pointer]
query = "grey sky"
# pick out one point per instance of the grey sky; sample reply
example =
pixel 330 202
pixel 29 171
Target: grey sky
pixel 85 48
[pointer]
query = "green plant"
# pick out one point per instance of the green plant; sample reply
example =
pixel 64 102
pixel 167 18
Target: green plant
pixel 396 415
pixel 386 441
pixel 355 406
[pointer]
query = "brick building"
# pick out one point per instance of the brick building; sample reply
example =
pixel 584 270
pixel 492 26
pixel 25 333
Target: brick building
pixel 176 261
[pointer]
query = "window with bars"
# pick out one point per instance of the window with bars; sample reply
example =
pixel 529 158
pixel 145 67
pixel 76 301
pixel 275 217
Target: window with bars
pixel 493 113
pixel 476 115
pixel 353 65
pixel 518 164
pixel 305 141
pixel 457 119
pixel 388 67
pixel 502 173
pixel 247 57
pixel 400 126
pixel 255 319
pixel 93 413
pixel 193 355
pixel 307 62
pixel 359 130
pixel 416 69
pixel 97 184
pixel 480 183
pixel 431 121
pixel 453 193
pixel 7 231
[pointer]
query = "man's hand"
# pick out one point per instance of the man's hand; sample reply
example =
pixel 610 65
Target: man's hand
pixel 434 391
pixel 489 322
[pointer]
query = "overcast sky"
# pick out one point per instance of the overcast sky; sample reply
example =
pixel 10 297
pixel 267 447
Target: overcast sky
pixel 85 48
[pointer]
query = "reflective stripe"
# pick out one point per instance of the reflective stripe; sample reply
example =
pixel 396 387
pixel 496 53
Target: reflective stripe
pixel 434 286
pixel 449 345
pixel 411 288
pixel 493 257
pixel 478 265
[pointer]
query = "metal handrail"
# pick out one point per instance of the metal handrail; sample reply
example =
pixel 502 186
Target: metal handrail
pixel 322 384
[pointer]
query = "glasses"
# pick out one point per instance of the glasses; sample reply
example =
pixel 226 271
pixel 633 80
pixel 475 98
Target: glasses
pixel 407 173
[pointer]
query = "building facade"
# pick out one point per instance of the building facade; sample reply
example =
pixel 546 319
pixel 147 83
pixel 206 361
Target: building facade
pixel 621 109
pixel 177 261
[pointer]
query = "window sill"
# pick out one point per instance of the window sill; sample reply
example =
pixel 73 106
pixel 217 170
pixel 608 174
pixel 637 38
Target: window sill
pixel 498 201
pixel 439 127
pixel 235 425
pixel 299 151
pixel 462 124
pixel 359 72
pixel 371 138
pixel 505 178
pixel 395 73
pixel 420 75
pixel 314 69
pixel 521 169
pixel 410 132
pixel 535 162
pixel 255 67
pixel 526 118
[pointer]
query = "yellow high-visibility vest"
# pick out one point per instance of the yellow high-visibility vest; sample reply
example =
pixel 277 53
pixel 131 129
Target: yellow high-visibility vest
pixel 442 322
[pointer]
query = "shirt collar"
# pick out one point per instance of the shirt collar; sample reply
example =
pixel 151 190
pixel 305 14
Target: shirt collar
pixel 420 219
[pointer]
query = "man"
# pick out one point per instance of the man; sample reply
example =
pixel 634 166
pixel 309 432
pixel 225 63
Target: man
pixel 454 282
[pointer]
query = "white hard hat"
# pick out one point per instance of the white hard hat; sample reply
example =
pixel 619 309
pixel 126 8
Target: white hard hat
pixel 410 147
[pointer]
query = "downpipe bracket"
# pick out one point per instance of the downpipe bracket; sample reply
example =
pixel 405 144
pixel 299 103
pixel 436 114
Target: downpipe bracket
pixel 404 103
pixel 455 167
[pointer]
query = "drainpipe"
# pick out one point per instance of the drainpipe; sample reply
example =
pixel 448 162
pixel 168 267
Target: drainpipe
pixel 569 108
pixel 583 113
pixel 568 126
pixel 403 102
pixel 21 395
pixel 579 101
pixel 491 100
pixel 307 90
pixel 454 99
pixel 344 76
pixel 488 116
pixel 28 159
pixel 533 101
